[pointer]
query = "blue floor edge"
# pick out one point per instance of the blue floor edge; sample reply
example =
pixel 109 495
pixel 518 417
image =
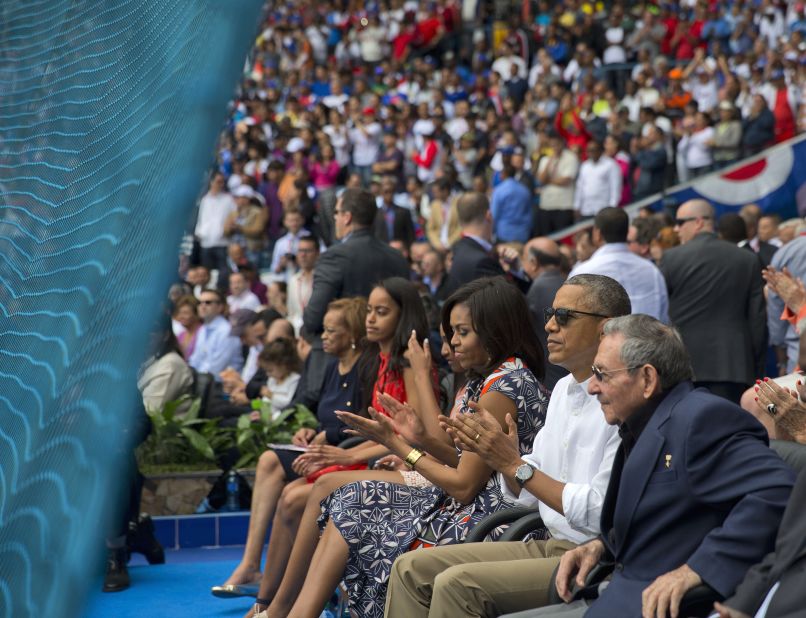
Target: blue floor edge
pixel 207 530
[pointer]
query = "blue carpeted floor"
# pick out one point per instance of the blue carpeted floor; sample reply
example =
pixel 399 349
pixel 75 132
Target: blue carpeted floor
pixel 178 588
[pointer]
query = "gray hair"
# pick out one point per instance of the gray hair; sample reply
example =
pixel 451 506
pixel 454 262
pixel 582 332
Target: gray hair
pixel 603 294
pixel 648 341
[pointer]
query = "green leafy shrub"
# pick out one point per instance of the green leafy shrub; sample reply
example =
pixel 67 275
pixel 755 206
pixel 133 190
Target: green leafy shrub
pixel 253 436
pixel 180 441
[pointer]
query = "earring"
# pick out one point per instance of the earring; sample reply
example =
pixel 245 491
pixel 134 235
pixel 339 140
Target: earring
pixel 352 345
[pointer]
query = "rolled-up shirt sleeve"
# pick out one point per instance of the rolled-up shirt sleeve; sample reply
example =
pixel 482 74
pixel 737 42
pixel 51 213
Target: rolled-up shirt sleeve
pixel 582 503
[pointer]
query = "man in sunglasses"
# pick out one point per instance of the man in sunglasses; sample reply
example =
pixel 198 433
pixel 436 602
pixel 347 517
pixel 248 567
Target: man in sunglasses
pixel 564 477
pixel 695 494
pixel 216 348
pixel 716 300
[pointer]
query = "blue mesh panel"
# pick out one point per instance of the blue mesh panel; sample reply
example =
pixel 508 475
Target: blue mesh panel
pixel 108 117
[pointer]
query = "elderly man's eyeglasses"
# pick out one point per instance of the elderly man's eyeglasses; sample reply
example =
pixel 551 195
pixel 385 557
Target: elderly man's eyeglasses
pixel 561 315
pixel 209 302
pixel 601 375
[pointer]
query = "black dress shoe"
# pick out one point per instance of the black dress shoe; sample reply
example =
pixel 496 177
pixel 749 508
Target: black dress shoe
pixel 141 539
pixel 117 576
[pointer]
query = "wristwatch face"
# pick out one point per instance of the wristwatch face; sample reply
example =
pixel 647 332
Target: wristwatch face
pixel 524 473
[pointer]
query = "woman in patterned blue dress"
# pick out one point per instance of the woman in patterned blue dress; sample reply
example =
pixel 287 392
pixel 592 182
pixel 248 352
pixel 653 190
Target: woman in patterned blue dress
pixel 367 524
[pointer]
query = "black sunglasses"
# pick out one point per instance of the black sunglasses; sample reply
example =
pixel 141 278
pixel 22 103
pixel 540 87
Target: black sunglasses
pixel 561 315
pixel 679 222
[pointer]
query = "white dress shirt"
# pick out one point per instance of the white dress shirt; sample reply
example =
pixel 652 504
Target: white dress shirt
pixel 576 447
pixel 299 293
pixel 598 186
pixel 366 143
pixel 643 281
pixel 250 366
pixel 213 212
pixel 244 300
pixel 216 349
pixel 286 244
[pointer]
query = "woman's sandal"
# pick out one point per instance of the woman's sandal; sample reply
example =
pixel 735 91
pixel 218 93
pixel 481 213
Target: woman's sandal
pixel 231 591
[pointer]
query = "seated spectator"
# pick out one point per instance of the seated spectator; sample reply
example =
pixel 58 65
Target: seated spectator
pixel 280 362
pixel 502 351
pixel 394 313
pixel 283 261
pixel 165 376
pixel 434 276
pixel 488 579
pixel 667 238
pixel 198 278
pixel 216 349
pixel 643 231
pixel 256 286
pixel 277 295
pixel 239 388
pixel 768 229
pixel 300 285
pixel 186 312
pixel 443 223
pixel 774 586
pixel 640 277
pixel 344 331
pixel 583 245
pixel 241 297
pixel 392 222
pixel 671 536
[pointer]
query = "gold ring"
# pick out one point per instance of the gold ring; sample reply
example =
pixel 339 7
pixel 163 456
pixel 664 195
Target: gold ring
pixel 478 435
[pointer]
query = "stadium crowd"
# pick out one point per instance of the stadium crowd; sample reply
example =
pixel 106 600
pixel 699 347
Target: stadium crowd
pixel 374 244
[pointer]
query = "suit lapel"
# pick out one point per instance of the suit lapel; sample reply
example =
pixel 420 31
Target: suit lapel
pixel 641 463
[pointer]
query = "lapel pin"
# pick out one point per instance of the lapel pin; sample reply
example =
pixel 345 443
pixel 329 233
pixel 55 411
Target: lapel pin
pixel 668 460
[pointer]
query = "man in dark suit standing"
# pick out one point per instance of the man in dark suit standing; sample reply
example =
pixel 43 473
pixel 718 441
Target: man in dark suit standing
pixel 473 253
pixel 353 266
pixel 716 301
pixel 541 261
pixel 392 222
pixel 349 268
pixel 690 500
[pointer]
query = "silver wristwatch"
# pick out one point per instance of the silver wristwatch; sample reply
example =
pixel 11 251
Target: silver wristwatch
pixel 524 472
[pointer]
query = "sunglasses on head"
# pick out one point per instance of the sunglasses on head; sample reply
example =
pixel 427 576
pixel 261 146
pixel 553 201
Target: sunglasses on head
pixel 561 315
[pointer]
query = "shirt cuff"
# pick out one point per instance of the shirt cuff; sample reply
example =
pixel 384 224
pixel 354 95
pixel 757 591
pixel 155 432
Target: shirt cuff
pixel 577 507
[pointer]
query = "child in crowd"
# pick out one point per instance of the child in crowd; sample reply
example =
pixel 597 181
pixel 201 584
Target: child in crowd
pixel 281 363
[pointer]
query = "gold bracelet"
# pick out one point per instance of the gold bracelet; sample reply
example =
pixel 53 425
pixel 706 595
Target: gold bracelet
pixel 413 457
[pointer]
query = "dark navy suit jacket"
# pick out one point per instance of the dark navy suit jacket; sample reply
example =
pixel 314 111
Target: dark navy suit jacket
pixel 716 506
